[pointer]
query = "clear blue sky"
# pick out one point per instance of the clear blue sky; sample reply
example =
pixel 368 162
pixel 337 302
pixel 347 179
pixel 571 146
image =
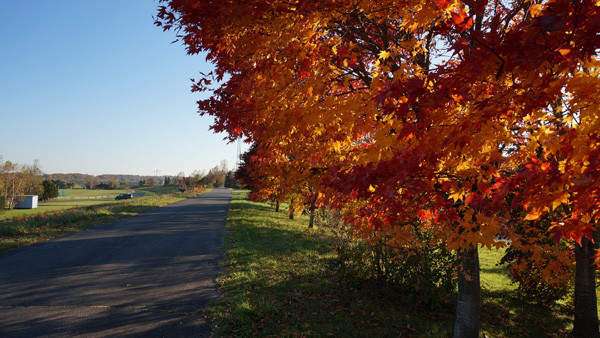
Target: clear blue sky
pixel 92 86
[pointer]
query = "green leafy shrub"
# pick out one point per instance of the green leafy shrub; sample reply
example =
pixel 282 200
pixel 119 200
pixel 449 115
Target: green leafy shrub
pixel 50 190
pixel 423 272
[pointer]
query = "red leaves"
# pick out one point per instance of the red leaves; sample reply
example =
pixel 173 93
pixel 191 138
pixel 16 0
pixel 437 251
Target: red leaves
pixel 462 20
pixel 443 3
pixel 305 68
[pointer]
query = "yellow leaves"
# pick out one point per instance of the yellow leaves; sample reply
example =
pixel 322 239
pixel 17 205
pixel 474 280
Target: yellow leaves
pixel 457 196
pixel 384 54
pixel 319 131
pixel 535 9
pixel 463 165
pixel 542 133
pixel 563 197
pixel 568 119
pixel 371 188
pixel 586 218
pixel 337 146
pixel 562 165
pixel 534 214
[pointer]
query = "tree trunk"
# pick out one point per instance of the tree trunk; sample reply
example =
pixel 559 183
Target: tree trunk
pixel 276 206
pixel 466 324
pixel 311 221
pixel 586 310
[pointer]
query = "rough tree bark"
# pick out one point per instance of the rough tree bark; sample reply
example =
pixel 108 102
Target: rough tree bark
pixel 586 310
pixel 311 221
pixel 466 324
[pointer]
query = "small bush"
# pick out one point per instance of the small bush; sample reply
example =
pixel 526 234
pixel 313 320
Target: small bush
pixel 423 272
pixel 544 280
pixel 50 190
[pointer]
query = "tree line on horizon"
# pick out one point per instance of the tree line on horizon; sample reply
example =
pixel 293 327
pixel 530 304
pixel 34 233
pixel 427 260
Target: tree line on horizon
pixel 219 175
pixel 24 179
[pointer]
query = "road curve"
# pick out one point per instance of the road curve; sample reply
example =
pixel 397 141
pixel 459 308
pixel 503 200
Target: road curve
pixel 141 276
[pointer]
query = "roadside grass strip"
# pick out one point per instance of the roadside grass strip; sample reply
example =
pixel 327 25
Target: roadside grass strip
pixel 279 280
pixel 23 230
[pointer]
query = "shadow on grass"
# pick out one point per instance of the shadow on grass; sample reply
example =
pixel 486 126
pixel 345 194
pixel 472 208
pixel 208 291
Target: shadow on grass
pixel 504 314
pixel 279 281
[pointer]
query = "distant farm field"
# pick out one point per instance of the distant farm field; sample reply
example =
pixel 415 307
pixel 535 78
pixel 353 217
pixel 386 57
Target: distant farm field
pixel 74 198
pixel 19 228
pixel 84 197
pixel 91 193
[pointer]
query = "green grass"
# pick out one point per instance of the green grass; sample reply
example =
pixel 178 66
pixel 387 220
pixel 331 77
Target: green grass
pixel 505 315
pixel 75 198
pixel 278 281
pixel 84 197
pixel 63 217
pixel 91 193
pixel 157 190
pixel 51 206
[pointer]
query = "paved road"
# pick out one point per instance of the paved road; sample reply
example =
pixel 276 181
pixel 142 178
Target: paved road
pixel 142 276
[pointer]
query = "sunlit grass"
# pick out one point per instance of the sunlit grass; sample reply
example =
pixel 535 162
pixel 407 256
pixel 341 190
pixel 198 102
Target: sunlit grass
pixel 91 193
pixel 157 190
pixel 278 281
pixel 74 198
pixel 22 230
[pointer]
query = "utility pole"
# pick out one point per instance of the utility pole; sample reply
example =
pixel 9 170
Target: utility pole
pixel 239 154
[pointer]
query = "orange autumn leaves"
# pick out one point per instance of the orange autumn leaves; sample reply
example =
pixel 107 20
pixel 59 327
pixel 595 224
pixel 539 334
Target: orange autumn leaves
pixel 454 112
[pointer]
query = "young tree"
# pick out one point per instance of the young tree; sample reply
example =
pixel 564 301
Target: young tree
pixel 50 190
pixel 18 179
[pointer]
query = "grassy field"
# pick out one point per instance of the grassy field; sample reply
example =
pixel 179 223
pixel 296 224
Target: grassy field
pixel 278 281
pixel 61 217
pixel 91 193
pixel 74 198
pixel 157 190
pixel 84 197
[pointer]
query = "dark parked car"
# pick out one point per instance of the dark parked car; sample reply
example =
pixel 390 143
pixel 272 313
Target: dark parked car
pixel 124 197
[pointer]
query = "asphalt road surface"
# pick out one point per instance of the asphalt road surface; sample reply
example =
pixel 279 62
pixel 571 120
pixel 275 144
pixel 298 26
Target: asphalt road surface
pixel 141 276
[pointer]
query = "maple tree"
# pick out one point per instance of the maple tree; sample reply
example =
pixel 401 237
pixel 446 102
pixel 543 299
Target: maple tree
pixel 455 112
pixel 270 176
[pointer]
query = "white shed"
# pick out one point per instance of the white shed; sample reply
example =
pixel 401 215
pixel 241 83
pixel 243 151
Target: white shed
pixel 27 202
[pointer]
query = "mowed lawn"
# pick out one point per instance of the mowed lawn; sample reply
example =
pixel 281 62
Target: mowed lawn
pixel 279 280
pixel 74 198
pixel 84 197
pixel 60 217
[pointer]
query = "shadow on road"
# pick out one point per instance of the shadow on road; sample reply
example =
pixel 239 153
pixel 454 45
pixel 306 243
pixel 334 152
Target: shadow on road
pixel 144 275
